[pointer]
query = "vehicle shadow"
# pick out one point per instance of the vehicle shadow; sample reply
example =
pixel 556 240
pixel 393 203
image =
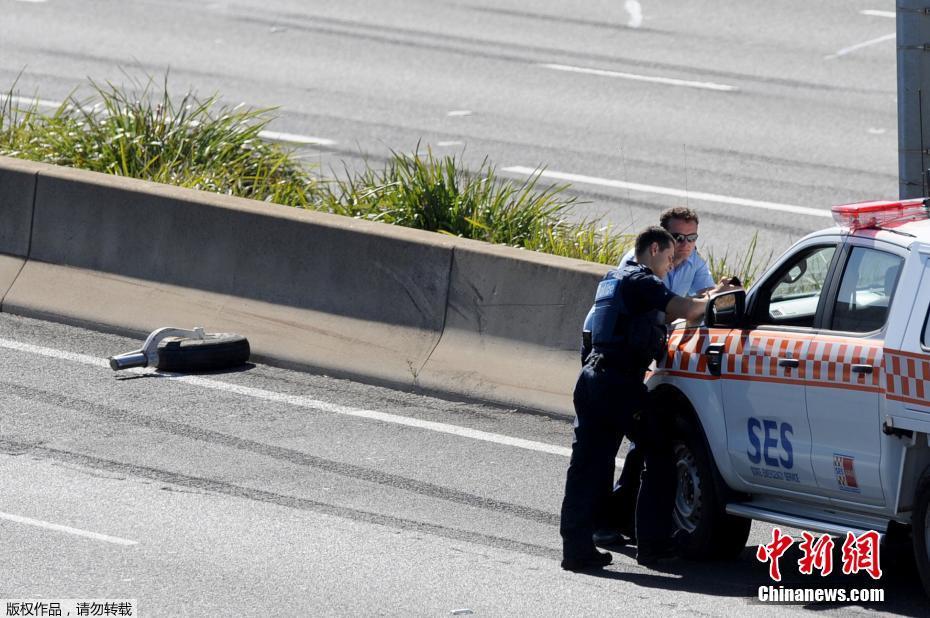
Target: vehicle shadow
pixel 903 593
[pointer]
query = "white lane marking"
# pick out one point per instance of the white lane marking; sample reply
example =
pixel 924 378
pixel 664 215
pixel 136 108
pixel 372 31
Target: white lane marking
pixel 459 112
pixel 680 193
pixel 305 402
pixel 852 48
pixel 58 527
pixel 635 10
pixel 640 78
pixel 33 1
pixel 451 143
pixel 272 136
pixel 292 138
pixel 30 101
pixel 874 13
pixel 53 353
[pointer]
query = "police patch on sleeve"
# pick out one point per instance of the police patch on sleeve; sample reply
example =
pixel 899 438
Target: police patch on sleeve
pixel 606 289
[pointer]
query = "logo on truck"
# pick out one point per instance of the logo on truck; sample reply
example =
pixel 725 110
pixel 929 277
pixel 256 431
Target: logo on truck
pixel 770 445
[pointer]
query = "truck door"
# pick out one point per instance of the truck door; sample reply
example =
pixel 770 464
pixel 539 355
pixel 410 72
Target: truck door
pixel 905 378
pixel 763 372
pixel 844 388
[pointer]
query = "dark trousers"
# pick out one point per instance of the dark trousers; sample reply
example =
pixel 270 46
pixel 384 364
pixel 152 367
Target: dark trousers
pixel 621 506
pixel 605 404
pixel 655 501
pixel 605 401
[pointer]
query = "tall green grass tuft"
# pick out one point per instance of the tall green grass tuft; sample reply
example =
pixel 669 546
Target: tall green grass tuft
pixel 434 193
pixel 189 142
pixel 202 144
pixel 747 267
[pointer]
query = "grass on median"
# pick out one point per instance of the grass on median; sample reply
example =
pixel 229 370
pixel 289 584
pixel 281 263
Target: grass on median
pixel 434 193
pixel 747 267
pixel 192 143
pixel 202 144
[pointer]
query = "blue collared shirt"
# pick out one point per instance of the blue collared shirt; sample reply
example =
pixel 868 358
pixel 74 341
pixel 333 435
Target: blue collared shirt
pixel 686 279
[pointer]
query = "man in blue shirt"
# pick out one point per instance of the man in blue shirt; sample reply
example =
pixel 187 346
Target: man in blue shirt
pixel 690 275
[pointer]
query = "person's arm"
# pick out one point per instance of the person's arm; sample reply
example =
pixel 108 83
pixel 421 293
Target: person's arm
pixel 693 308
pixel 690 309
pixel 702 292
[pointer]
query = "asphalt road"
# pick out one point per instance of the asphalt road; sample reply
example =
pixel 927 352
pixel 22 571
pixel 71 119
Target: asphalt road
pixel 269 492
pixel 791 104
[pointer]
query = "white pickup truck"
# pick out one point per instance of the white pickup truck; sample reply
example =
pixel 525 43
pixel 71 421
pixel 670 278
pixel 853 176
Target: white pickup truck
pixel 805 401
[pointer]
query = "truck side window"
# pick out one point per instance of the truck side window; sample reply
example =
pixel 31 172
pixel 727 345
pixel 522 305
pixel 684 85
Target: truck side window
pixel 795 293
pixel 925 340
pixel 866 289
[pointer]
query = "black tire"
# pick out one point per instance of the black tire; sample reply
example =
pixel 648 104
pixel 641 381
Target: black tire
pixel 897 550
pixel 708 532
pixel 920 531
pixel 213 352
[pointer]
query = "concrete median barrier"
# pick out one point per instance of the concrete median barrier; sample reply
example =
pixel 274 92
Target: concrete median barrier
pixel 316 290
pixel 353 298
pixel 513 326
pixel 10 267
pixel 17 191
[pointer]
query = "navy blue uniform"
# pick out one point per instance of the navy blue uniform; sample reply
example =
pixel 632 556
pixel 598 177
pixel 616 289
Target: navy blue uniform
pixel 608 393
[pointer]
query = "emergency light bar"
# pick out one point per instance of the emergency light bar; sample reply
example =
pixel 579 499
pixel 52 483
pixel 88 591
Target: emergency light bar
pixel 877 214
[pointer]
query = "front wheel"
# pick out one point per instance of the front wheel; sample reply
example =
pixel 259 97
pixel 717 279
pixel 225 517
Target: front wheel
pixel 709 532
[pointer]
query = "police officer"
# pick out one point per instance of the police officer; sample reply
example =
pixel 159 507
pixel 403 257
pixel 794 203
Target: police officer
pixel 689 276
pixel 631 308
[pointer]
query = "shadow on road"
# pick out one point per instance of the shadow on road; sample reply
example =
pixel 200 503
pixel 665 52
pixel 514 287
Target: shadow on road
pixel 166 374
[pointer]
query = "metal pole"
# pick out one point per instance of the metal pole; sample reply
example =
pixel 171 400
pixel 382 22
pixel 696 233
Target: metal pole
pixel 913 37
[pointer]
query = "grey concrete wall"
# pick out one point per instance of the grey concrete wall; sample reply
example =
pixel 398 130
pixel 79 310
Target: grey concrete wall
pixel 10 267
pixel 17 191
pixel 241 248
pixel 312 290
pixel 513 325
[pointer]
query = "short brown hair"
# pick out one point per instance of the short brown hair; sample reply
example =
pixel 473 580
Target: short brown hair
pixel 679 212
pixel 652 234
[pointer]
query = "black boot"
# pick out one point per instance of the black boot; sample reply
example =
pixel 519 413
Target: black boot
pixel 590 562
pixel 609 537
pixel 648 555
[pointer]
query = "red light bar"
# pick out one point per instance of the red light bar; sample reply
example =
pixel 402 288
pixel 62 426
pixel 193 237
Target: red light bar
pixel 877 214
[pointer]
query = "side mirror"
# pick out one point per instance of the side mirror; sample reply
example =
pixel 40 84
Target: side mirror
pixel 726 309
pixel 797 271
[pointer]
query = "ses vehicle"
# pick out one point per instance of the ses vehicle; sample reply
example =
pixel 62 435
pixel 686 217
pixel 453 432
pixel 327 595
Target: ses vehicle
pixel 805 401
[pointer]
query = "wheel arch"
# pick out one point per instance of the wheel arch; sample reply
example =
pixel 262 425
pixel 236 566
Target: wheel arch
pixel 671 398
pixel 914 472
